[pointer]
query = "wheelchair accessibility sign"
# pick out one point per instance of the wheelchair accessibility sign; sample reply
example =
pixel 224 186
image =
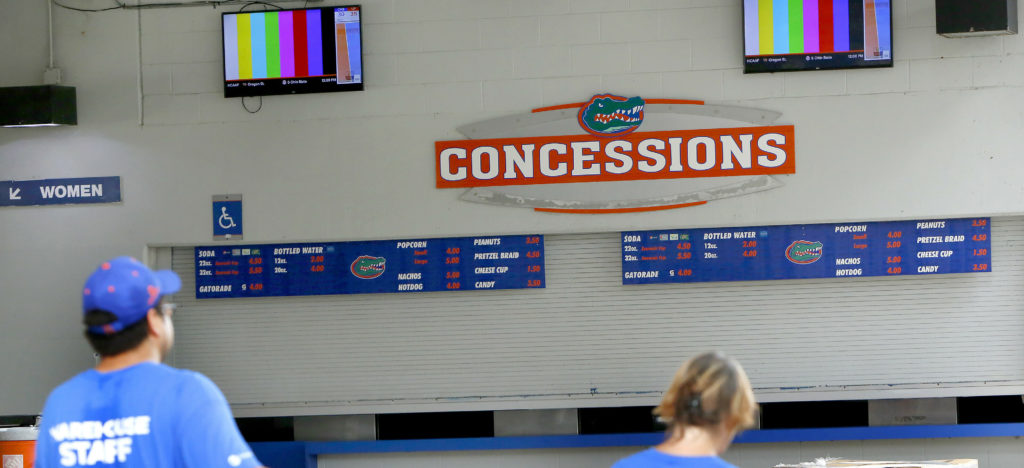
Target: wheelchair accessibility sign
pixel 227 217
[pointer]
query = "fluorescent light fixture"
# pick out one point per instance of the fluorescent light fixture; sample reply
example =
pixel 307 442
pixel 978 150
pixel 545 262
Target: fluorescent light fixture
pixel 38 106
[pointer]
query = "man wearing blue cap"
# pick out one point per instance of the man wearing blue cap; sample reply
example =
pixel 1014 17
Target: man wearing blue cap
pixel 131 410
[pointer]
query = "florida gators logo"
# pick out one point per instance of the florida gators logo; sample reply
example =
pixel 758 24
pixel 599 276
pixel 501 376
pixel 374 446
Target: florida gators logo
pixel 367 267
pixel 803 252
pixel 611 115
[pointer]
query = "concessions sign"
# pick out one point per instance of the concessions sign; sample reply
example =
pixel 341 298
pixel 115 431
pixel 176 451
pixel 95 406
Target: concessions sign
pixel 643 155
pixel 610 147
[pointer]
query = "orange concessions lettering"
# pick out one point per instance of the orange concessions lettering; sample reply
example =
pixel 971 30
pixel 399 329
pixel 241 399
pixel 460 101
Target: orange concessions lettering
pixel 679 154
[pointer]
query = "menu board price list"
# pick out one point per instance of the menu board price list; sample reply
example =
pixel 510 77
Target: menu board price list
pixel 503 262
pixel 807 251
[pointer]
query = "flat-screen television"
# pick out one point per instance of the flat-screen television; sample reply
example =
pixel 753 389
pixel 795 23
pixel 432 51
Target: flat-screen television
pixel 792 35
pixel 308 50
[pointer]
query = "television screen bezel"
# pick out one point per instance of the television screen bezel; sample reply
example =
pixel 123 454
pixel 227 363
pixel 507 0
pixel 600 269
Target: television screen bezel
pixel 804 67
pixel 278 90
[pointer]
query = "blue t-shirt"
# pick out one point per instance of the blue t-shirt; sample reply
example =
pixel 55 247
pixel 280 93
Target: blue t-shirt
pixel 652 458
pixel 146 415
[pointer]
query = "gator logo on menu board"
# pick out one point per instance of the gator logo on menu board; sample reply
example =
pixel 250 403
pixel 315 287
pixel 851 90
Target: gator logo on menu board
pixel 610 115
pixel 803 252
pixel 367 267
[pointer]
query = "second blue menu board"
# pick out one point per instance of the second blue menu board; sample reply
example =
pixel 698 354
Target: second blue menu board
pixel 449 264
pixel 807 251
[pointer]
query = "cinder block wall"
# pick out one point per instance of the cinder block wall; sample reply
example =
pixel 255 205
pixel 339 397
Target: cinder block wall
pixel 934 136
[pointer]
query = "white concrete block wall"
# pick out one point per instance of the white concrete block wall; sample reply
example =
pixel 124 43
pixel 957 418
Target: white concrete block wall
pixel 591 59
pixel 631 26
pixel 706 84
pixel 156 79
pixel 632 83
pixel 570 29
pixel 543 62
pixel 740 87
pixel 350 166
pixel 30 56
pixel 887 80
pixel 803 84
pixel 661 56
pixel 409 43
pixel 941 74
pixel 1002 70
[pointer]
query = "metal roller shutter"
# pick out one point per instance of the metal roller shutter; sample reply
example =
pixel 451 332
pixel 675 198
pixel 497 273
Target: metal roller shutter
pixel 587 340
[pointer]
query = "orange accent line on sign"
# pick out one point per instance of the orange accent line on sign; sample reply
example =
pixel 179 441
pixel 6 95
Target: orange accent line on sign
pixel 558 107
pixel 646 101
pixel 619 210
pixel 674 101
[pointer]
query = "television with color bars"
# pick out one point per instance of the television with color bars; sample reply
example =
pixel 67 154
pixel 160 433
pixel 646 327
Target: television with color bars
pixel 308 50
pixel 792 35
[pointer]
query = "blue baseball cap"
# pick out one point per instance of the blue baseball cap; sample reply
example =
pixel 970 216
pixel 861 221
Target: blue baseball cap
pixel 126 288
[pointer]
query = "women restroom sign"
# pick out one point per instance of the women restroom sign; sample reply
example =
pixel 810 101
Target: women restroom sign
pixel 227 217
pixel 78 191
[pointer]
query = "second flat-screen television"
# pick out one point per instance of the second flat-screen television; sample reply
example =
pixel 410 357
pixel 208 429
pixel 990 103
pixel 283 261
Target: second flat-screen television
pixel 792 35
pixel 309 50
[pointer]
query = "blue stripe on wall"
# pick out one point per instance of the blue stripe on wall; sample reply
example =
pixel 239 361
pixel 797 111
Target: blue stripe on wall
pixel 631 440
pixel 303 454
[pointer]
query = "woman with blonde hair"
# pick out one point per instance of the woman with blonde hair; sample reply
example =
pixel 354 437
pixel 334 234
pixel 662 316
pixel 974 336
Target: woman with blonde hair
pixel 708 402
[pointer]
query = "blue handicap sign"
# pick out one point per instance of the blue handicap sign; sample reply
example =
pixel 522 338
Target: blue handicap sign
pixel 227 217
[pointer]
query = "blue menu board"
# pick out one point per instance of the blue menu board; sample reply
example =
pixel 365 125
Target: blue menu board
pixel 808 251
pixel 463 263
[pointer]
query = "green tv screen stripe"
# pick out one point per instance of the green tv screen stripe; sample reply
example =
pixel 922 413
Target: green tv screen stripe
pixel 273 46
pixel 796 26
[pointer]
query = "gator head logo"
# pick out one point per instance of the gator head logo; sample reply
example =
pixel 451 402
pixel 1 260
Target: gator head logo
pixel 803 252
pixel 610 115
pixel 367 267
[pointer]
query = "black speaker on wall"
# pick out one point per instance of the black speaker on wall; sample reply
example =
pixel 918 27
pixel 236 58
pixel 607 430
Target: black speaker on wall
pixel 971 18
pixel 38 106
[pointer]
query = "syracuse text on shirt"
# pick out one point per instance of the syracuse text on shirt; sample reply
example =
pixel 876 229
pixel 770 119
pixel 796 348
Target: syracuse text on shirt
pixel 86 443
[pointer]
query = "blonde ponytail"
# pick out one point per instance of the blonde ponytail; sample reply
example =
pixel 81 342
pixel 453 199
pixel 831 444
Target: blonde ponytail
pixel 709 389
